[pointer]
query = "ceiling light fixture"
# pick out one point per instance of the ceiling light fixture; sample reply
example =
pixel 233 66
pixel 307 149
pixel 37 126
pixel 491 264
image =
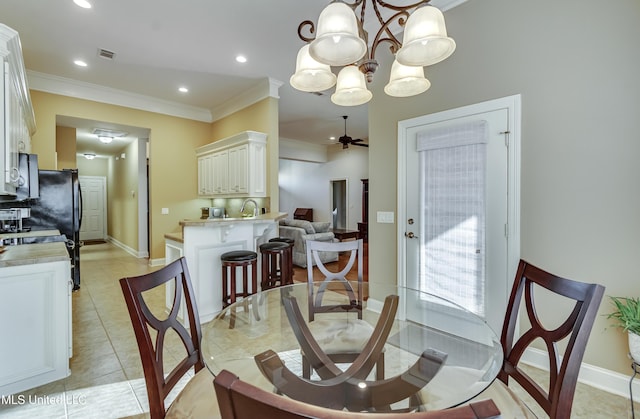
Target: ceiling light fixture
pixel 104 139
pixel 341 41
pixel 83 3
pixel 183 90
pixel 80 63
pixel 89 156
pixel 241 59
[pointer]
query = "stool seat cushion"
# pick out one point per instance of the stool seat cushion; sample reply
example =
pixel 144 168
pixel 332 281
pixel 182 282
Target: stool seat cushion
pixel 239 256
pixel 274 246
pixel 282 240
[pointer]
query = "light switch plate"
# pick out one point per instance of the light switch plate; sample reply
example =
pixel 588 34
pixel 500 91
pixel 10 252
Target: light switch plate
pixel 165 211
pixel 385 217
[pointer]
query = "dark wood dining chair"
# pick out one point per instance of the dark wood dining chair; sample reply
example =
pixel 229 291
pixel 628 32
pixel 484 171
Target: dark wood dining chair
pixel 341 340
pixel 241 400
pixel 195 399
pixel 556 399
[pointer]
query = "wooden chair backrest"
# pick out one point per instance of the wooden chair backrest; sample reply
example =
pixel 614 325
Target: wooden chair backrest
pixel 334 275
pixel 564 368
pixel 151 347
pixel 240 400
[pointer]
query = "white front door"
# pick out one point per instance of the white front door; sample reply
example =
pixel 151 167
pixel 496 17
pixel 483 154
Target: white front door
pixel 454 210
pixel 93 207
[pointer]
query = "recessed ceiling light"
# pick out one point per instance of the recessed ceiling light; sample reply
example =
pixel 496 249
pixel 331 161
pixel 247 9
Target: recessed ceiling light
pixel 183 89
pixel 332 138
pixel 80 63
pixel 83 3
pixel 241 59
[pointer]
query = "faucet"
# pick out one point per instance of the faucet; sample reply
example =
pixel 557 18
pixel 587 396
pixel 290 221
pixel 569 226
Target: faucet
pixel 255 206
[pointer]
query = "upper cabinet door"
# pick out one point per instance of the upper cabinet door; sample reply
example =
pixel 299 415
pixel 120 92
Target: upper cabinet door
pixel 239 166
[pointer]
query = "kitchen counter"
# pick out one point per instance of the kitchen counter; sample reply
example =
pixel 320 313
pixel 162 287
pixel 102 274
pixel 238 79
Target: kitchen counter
pixel 33 233
pixel 270 216
pixel 35 287
pixel 28 254
pixel 203 241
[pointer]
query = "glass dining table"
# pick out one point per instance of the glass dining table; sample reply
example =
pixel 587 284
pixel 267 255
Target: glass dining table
pixel 436 354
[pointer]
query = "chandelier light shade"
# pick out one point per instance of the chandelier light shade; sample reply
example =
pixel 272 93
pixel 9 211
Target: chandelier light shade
pixel 406 81
pixel 425 39
pixel 351 89
pixel 338 41
pixel 311 75
pixel 342 41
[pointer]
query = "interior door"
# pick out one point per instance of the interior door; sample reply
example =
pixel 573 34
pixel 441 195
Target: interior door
pixel 93 208
pixel 456 214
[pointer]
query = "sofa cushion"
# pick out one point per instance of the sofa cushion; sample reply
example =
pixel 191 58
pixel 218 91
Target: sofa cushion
pixel 321 226
pixel 304 224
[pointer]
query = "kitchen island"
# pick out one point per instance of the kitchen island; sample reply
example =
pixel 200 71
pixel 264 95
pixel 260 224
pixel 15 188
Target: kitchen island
pixel 203 241
pixel 35 308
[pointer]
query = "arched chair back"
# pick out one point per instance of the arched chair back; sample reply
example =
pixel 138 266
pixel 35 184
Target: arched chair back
pixel 585 298
pixel 151 331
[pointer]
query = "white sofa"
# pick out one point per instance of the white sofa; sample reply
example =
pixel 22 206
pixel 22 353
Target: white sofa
pixel 301 231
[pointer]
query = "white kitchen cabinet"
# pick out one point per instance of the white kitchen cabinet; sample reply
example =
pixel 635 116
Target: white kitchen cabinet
pixel 17 122
pixel 239 169
pixel 205 175
pixel 221 172
pixel 35 308
pixel 239 166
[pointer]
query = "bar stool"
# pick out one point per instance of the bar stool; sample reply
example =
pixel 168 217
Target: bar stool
pixel 276 264
pixel 290 242
pixel 230 262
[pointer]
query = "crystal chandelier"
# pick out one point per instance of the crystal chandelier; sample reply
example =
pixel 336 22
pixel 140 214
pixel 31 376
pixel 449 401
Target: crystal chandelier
pixel 341 41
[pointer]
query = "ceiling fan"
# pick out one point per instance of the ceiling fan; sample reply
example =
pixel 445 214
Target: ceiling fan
pixel 345 140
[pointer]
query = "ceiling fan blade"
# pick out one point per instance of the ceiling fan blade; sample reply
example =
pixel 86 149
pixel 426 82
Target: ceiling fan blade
pixel 361 144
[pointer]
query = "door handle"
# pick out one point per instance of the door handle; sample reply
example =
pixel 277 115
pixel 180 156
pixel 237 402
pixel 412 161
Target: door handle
pixel 410 235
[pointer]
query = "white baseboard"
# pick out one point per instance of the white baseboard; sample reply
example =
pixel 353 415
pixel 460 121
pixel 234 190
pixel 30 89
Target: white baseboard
pixel 157 262
pixel 133 252
pixel 591 375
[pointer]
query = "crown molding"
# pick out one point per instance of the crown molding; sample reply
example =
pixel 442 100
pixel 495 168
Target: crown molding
pixel 68 87
pixel 48 83
pixel 268 87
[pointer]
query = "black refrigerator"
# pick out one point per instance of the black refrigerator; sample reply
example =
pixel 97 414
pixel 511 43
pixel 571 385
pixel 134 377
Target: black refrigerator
pixel 60 207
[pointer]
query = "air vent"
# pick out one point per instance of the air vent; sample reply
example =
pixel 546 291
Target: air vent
pixel 105 132
pixel 105 53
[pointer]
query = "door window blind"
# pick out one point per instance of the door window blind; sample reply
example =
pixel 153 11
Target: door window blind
pixel 452 239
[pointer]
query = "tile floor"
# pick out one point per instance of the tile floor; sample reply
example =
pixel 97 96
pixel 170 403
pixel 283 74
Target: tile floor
pixel 107 380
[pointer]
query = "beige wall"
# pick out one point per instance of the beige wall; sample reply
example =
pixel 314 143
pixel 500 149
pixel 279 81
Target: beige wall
pixel 575 64
pixel 262 117
pixel 66 148
pixel 173 174
pixel 96 167
pixel 122 196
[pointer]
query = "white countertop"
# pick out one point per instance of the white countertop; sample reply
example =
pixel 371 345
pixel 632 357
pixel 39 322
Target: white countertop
pixel 33 233
pixel 270 216
pixel 27 254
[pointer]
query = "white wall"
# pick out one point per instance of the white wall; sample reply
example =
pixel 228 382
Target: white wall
pixel 305 184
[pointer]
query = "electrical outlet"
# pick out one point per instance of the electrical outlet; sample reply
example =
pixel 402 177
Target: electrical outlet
pixel 385 217
pixel 165 211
